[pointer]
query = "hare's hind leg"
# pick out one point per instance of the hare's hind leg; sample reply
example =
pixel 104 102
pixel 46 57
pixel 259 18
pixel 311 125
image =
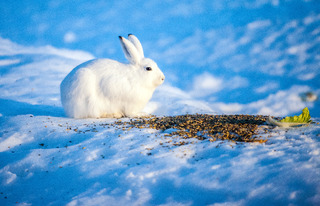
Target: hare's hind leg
pixel 86 101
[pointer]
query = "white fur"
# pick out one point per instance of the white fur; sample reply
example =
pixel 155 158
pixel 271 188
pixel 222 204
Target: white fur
pixel 107 88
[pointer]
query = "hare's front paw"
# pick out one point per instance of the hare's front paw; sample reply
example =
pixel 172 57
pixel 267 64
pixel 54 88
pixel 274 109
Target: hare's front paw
pixel 116 115
pixel 140 115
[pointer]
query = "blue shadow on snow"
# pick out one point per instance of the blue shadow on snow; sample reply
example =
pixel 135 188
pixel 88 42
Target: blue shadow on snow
pixel 13 108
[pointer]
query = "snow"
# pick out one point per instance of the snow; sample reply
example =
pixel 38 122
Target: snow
pixel 49 159
pixel 59 166
pixel 251 57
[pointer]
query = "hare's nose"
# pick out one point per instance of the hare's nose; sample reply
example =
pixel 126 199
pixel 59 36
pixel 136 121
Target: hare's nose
pixel 162 78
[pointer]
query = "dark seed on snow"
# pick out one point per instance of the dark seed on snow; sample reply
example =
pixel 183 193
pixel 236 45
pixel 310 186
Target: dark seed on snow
pixel 238 128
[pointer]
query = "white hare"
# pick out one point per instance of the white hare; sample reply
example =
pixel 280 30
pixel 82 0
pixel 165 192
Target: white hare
pixel 107 88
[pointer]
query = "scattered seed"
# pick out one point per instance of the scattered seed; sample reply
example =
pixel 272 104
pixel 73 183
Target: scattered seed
pixel 238 128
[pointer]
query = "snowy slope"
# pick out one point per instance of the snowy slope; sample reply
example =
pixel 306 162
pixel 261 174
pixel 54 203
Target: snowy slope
pixel 33 75
pixel 234 52
pixel 219 57
pixel 48 159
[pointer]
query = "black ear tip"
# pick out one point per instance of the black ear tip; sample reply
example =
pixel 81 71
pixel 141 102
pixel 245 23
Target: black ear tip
pixel 120 37
pixel 130 34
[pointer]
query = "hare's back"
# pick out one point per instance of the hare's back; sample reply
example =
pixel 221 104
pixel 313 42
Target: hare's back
pixel 101 66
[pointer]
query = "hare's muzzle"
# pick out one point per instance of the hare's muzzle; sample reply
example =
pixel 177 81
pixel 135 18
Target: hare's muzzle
pixel 162 78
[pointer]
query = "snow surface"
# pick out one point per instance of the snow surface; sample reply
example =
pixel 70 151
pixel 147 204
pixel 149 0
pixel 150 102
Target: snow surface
pixel 49 159
pixel 248 50
pixel 219 57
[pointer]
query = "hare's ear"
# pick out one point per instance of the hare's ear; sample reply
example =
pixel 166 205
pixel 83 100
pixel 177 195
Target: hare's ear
pixel 135 41
pixel 130 51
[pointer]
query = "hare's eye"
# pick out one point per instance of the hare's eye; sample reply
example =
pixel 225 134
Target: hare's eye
pixel 148 68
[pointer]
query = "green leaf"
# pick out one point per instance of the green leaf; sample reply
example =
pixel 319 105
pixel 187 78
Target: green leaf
pixel 304 117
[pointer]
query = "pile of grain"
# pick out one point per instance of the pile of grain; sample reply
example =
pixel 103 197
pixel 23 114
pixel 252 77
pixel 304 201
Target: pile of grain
pixel 240 128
